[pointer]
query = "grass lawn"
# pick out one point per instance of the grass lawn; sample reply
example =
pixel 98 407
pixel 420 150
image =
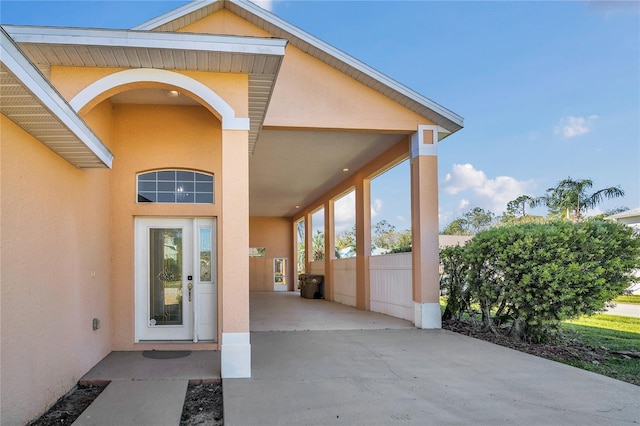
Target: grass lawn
pixel 615 333
pixel 600 335
pixel 632 298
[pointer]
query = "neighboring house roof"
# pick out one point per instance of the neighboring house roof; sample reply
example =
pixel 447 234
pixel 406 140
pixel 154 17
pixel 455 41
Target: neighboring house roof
pixel 448 121
pixel 258 57
pixel 629 217
pixel 633 213
pixel 31 102
pixel 452 240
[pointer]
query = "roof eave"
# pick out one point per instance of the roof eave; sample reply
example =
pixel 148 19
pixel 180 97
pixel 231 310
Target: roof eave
pixel 146 39
pixel 124 45
pixel 44 95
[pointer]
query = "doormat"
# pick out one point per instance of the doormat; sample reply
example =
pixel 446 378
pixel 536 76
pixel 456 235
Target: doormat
pixel 165 354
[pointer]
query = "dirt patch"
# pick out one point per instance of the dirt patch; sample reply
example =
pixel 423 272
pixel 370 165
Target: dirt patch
pixel 69 407
pixel 202 406
pixel 563 349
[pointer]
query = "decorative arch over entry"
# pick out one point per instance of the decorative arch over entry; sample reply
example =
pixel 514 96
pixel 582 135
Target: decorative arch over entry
pixel 211 99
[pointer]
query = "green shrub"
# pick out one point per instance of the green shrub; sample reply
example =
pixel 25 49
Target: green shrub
pixel 453 282
pixel 533 276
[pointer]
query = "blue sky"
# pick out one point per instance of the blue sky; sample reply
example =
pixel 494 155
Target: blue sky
pixel 547 89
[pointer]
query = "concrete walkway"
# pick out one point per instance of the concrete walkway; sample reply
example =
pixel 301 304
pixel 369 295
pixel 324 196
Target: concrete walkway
pixel 370 377
pixel 336 365
pixel 625 309
pixel 321 363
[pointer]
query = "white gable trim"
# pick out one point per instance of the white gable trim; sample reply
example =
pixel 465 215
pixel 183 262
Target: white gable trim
pixel 449 121
pixel 147 40
pixel 222 109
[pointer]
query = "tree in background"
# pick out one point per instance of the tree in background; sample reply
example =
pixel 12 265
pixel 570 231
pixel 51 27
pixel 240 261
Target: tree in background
pixel 570 198
pixel 301 247
pixel 472 222
pixel 456 227
pixel 386 238
pixel 516 211
pixel 318 246
pixel 346 243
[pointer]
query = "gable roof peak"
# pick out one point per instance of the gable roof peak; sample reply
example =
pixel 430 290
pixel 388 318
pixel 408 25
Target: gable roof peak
pixel 448 121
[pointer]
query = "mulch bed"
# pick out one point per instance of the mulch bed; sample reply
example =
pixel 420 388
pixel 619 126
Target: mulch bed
pixel 69 407
pixel 203 405
pixel 563 349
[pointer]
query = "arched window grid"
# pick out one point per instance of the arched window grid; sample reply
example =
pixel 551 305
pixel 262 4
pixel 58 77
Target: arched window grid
pixel 175 187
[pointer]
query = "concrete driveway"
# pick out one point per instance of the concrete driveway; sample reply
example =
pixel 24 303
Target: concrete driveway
pixel 409 376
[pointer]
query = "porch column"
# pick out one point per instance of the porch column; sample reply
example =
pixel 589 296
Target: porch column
pixel 363 243
pixel 234 257
pixel 329 249
pixel 424 218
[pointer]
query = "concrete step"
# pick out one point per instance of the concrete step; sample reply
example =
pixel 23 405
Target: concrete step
pixel 137 402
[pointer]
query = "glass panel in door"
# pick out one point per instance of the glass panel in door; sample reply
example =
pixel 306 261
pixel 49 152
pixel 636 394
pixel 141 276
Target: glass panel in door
pixel 165 278
pixel 280 274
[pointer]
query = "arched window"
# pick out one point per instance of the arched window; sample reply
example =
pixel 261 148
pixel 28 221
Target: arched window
pixel 175 186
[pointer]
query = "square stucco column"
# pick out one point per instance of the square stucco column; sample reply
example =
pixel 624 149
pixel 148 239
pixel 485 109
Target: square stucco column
pixel 363 243
pixel 424 211
pixel 234 234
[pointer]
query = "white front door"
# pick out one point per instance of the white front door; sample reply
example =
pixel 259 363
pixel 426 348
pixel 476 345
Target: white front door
pixel 175 279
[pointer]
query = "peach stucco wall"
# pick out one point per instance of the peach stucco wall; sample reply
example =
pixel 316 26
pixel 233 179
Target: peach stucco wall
pixel 311 94
pixel 424 225
pixel 69 81
pixel 55 274
pixel 274 234
pixel 234 231
pixel 149 137
pixel 225 22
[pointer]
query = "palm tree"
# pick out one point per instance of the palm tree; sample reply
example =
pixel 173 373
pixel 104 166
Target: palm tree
pixel 571 196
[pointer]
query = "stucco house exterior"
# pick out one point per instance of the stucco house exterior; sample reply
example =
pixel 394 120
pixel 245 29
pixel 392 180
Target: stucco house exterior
pixel 629 217
pixel 138 167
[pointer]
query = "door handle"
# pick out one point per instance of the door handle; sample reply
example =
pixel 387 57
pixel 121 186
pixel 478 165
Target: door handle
pixel 190 286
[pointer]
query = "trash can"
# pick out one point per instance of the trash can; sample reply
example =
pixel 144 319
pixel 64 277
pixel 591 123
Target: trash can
pixel 301 284
pixel 312 287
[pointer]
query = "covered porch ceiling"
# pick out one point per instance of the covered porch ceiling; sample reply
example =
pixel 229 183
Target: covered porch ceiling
pixel 291 168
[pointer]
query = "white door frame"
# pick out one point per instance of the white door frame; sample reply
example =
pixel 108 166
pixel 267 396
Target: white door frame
pixel 199 302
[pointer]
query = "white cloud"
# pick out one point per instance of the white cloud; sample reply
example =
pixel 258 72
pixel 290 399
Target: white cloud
pixel 376 206
pixel 462 178
pixel 401 219
pixel 344 209
pixel 480 191
pixel 570 127
pixel 265 4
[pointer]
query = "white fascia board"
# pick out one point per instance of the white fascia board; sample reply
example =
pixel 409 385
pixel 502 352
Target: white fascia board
pixel 33 80
pixel 347 59
pixel 148 40
pixel 173 14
